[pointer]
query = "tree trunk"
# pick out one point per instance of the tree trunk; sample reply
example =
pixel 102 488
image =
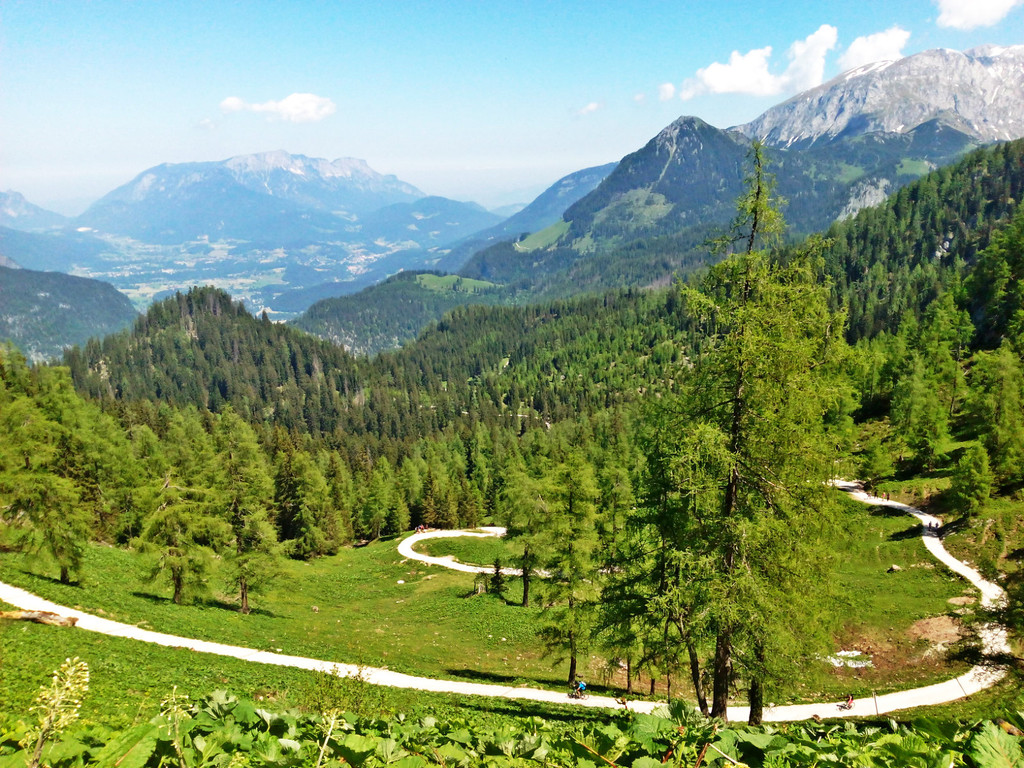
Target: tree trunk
pixel 526 576
pixel 722 675
pixel 40 617
pixel 572 668
pixel 702 700
pixel 756 692
pixel 756 698
pixel 65 576
pixel 629 675
pixel 178 580
pixel 243 584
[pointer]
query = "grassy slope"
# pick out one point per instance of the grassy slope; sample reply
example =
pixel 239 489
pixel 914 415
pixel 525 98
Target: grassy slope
pixel 365 616
pixel 128 679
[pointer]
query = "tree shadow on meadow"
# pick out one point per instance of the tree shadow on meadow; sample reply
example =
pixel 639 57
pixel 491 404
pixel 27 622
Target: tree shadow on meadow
pixel 484 677
pixel 551 712
pixel 884 511
pixel 208 602
pixel 36 576
pixel 914 531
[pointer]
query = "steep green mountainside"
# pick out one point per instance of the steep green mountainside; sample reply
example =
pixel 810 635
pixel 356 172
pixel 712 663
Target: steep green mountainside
pixel 879 257
pixel 388 314
pixel 544 211
pixel 677 190
pixel 44 312
pixel 891 260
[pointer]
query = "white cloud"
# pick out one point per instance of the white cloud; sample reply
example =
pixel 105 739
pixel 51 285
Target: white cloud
pixel 590 108
pixel 666 91
pixel 745 73
pixel 968 14
pixel 807 59
pixel 640 98
pixel 296 108
pixel 749 73
pixel 881 46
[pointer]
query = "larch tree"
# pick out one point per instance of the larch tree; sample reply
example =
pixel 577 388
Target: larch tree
pixel 183 534
pixel 524 504
pixel 244 492
pixel 995 405
pixel 758 389
pixel 572 587
pixel 43 508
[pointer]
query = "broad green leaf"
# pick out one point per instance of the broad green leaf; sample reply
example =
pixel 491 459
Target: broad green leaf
pixel 993 747
pixel 356 748
pixel 131 749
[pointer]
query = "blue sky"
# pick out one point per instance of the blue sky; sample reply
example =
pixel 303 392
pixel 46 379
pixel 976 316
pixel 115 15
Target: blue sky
pixel 488 101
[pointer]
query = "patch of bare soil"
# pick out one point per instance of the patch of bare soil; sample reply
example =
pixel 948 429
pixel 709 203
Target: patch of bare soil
pixel 962 600
pixel 939 631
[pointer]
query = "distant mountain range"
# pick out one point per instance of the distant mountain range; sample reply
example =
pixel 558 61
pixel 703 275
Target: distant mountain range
pixel 18 213
pixel 282 231
pixel 834 149
pixel 272 198
pixel 272 227
pixel 976 92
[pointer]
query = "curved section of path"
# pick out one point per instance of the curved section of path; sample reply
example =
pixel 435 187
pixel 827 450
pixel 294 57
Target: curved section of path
pixel 994 639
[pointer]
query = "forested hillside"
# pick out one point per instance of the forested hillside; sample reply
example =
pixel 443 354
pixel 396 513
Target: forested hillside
pixel 386 315
pixel 894 258
pixel 661 456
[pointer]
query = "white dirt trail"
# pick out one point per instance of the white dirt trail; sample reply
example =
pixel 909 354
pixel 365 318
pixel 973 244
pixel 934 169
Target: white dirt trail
pixel 994 641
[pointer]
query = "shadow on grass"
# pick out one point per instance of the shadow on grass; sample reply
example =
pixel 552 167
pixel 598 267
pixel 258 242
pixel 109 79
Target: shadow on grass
pixel 209 602
pixel 484 677
pixel 915 531
pixel 50 579
pixel 569 714
pixel 883 511
pixel 477 675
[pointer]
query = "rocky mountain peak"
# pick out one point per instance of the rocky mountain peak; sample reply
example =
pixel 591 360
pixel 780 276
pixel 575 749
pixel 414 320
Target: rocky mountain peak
pixel 979 92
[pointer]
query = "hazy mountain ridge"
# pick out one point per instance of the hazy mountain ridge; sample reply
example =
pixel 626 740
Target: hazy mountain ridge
pixel 272 228
pixel 44 312
pixel 544 211
pixel 18 213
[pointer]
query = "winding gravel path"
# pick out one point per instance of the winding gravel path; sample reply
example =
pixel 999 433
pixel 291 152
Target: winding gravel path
pixel 976 679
